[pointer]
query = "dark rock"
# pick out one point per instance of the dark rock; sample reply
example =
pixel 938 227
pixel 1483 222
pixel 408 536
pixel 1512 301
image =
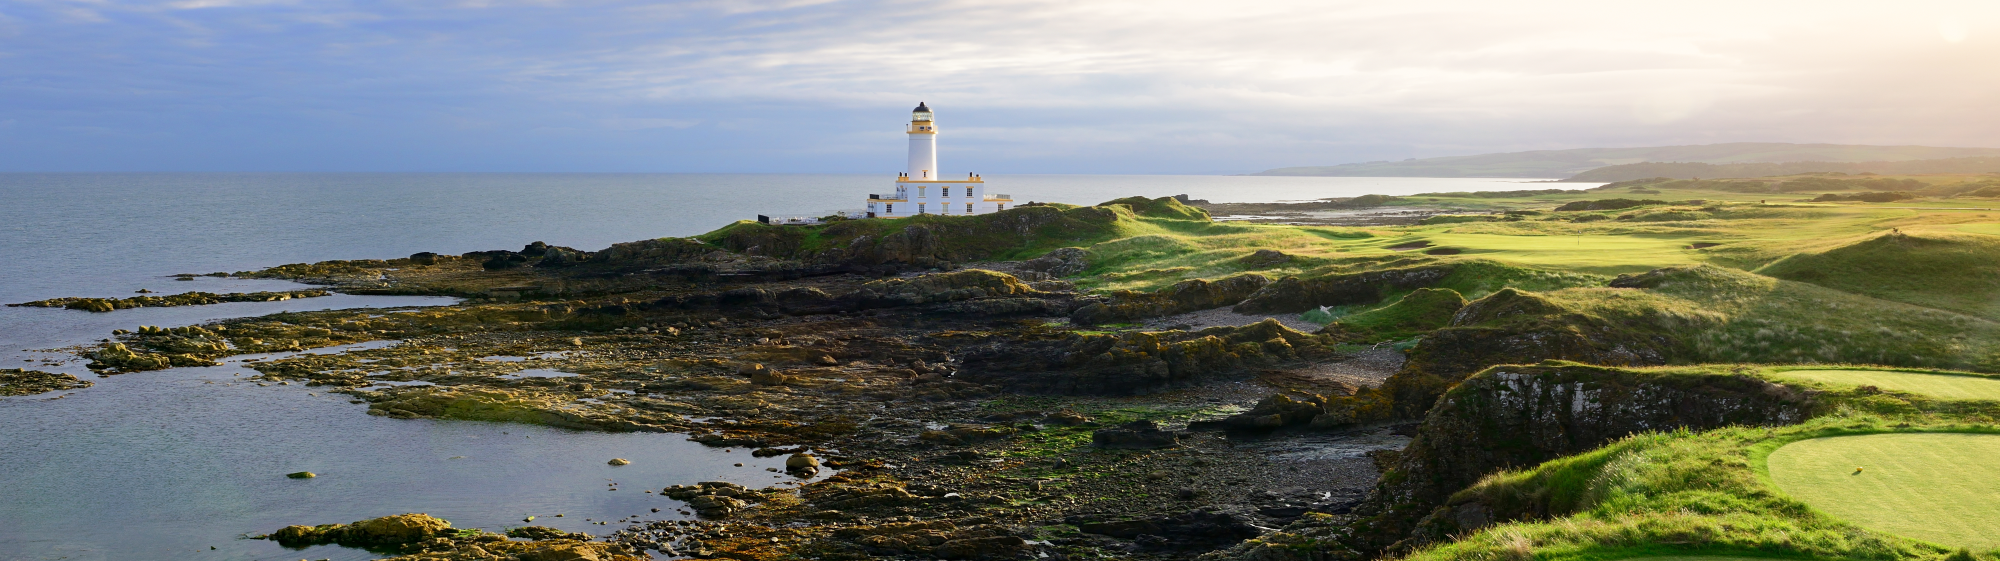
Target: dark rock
pixel 1134 362
pixel 1126 529
pixel 1142 435
pixel 992 547
pixel 1059 262
pixel 15 381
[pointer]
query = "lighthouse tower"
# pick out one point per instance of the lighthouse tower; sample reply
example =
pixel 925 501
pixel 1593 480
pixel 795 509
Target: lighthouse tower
pixel 921 189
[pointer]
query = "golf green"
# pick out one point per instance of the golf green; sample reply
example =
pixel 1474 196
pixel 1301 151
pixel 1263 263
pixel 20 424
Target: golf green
pixel 1937 385
pixel 1937 487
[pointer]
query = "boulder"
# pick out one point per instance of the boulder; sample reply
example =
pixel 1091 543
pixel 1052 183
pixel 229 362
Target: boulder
pixel 388 530
pixel 801 462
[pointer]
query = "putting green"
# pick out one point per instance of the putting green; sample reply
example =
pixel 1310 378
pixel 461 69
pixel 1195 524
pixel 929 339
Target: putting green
pixel 1938 385
pixel 1941 488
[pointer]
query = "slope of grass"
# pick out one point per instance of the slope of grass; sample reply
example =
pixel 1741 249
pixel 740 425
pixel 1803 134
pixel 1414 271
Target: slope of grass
pixel 1935 384
pixel 1726 315
pixel 1709 493
pixel 1420 311
pixel 1946 271
pixel 1939 488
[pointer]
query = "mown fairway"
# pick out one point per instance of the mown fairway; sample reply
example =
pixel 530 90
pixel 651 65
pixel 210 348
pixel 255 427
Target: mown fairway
pixel 1937 487
pixel 1937 385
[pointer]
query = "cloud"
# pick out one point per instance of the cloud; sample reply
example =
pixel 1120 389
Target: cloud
pixel 1039 85
pixel 634 124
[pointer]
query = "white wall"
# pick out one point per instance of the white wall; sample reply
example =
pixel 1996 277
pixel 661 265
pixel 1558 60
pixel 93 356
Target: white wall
pixel 923 156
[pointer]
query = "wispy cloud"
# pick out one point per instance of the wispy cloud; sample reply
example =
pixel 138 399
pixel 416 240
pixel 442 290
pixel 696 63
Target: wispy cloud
pixel 1029 85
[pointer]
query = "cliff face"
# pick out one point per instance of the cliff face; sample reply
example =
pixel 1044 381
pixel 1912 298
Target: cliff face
pixel 1519 416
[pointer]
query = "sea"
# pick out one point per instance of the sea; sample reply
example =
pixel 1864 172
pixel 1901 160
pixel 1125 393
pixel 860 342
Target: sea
pixel 188 463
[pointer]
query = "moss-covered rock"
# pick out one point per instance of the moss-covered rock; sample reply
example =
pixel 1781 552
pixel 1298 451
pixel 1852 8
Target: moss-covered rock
pixel 374 532
pixel 15 381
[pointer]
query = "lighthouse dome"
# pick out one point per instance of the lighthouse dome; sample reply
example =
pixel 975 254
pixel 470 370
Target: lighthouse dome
pixel 921 108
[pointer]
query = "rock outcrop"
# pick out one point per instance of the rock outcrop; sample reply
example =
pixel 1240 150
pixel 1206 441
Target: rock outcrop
pixel 1518 416
pixel 1139 435
pixel 1135 362
pixel 15 381
pixel 183 299
pixel 1184 296
pixel 1295 295
pixel 374 532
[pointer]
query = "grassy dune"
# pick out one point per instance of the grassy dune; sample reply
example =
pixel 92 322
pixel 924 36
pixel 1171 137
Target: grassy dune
pixel 1941 488
pixel 1943 385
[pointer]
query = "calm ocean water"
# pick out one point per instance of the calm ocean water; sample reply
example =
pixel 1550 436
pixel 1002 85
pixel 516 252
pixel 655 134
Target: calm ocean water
pixel 165 465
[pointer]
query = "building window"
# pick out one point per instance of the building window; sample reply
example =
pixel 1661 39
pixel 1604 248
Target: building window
pixel 1003 206
pixel 920 191
pixel 947 192
pixel 920 208
pixel 888 208
pixel 968 208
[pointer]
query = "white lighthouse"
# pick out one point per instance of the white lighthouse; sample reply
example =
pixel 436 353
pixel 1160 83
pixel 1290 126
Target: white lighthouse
pixel 922 189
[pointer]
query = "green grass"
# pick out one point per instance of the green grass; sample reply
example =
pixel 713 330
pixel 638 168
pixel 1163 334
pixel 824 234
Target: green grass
pixel 1730 492
pixel 1418 312
pixel 1941 488
pixel 1948 386
pixel 1988 229
pixel 1944 271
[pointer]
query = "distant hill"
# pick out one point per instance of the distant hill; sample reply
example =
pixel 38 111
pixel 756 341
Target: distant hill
pixel 1554 164
pixel 1697 170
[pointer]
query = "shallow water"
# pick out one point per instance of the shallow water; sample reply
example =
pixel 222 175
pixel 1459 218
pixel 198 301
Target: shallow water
pixel 165 465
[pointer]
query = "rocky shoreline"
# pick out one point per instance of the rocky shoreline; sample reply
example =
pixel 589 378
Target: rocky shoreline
pixel 970 402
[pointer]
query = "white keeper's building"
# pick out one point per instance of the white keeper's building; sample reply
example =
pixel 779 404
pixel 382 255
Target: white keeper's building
pixel 924 190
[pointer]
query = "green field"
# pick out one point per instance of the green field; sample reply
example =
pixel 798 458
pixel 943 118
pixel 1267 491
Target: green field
pixel 1988 229
pixel 1937 487
pixel 1948 386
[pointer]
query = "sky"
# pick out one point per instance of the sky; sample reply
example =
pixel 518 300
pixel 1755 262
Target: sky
pixel 1020 86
